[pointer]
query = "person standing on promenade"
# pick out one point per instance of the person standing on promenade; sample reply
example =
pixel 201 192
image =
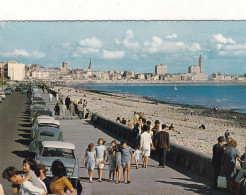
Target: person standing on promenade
pixel 123 121
pixel 72 110
pixel 136 155
pixel 63 110
pixel 216 160
pixel 26 188
pixel 50 97
pixel 156 128
pixel 90 160
pixel 80 109
pixel 84 108
pixel 67 102
pixel 162 142
pixel 100 154
pixel 126 159
pixel 145 144
pixel 228 163
pixel 57 110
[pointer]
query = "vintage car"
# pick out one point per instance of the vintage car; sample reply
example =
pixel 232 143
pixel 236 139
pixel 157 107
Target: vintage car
pixel 24 91
pixel 40 113
pixel 44 122
pixel 36 108
pixel 65 152
pixel 2 94
pixel 18 88
pixel 37 102
pixel 8 91
pixel 45 134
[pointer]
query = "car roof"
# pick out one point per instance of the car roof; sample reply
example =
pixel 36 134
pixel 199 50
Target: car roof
pixel 45 117
pixel 48 121
pixel 39 106
pixel 58 144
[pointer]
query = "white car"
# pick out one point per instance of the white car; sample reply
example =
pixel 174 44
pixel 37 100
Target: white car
pixel 44 122
pixel 2 94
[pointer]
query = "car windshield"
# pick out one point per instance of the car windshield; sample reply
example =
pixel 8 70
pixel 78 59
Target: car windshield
pixel 58 152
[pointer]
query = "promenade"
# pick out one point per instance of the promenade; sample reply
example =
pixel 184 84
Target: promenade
pixel 153 180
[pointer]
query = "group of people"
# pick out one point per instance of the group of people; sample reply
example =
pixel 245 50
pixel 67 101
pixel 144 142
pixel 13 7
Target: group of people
pixel 225 157
pixel 33 180
pixel 66 104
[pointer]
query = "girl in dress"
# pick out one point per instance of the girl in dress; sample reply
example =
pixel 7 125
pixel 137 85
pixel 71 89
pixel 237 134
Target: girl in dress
pixel 117 154
pixel 136 156
pixel 111 163
pixel 90 160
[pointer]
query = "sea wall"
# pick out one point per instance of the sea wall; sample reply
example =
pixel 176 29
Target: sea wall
pixel 193 160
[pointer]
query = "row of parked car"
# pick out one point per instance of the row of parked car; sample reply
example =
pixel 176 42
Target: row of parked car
pixel 47 139
pixel 10 91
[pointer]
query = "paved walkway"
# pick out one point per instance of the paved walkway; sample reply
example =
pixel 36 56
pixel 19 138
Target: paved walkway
pixel 153 180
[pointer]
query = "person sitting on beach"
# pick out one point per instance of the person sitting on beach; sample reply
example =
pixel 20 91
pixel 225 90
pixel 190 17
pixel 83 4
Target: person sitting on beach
pixel 202 126
pixel 171 127
pixel 118 120
pixel 129 123
pixel 123 121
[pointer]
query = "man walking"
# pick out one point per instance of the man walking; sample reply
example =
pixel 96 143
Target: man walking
pixel 216 160
pixel 145 143
pixel 162 142
pixel 72 110
pixel 80 109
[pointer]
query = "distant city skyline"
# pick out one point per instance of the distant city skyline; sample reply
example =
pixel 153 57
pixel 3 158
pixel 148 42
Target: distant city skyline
pixel 133 46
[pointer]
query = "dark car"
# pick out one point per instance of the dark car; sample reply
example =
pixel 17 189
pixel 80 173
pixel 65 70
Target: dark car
pixel 18 89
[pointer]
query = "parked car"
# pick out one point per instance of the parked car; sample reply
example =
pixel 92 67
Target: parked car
pixel 37 102
pixel 8 91
pixel 18 88
pixel 41 113
pixel 2 94
pixel 41 122
pixel 65 152
pixel 24 91
pixel 45 134
pixel 35 108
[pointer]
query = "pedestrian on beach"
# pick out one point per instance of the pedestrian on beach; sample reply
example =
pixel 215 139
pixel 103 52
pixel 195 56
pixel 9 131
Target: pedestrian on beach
pixel 118 120
pixel 162 143
pixel 26 187
pixel 84 109
pixel 42 176
pixel 100 154
pixel 57 110
pixel 228 163
pixel 126 160
pixel 145 144
pixel 117 155
pixel 72 110
pixel 67 102
pixel 63 110
pixel 111 163
pixel 90 160
pixel 136 156
pixel 50 97
pixel 59 183
pixel 216 159
pixel 80 109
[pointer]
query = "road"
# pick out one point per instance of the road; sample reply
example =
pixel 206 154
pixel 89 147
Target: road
pixel 14 133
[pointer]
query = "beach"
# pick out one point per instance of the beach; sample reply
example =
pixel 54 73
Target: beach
pixel 186 119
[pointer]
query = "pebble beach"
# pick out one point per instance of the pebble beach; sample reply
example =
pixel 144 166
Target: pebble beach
pixel 186 120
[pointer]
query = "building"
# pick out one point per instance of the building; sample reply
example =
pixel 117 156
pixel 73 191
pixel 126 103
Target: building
pixel 90 66
pixel 201 63
pixel 197 69
pixel 40 74
pixel 160 69
pixel 13 70
pixel 65 65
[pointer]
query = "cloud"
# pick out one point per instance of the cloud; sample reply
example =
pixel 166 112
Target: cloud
pixel 128 41
pixel 106 54
pixel 158 45
pixel 24 53
pixel 232 50
pixel 172 36
pixel 92 43
pixel 83 51
pixel 38 54
pixel 66 45
pixel 221 39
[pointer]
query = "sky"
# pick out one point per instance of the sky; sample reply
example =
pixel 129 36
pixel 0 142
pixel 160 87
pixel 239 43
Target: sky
pixel 135 46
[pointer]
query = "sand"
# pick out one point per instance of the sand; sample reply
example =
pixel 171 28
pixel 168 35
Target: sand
pixel 188 134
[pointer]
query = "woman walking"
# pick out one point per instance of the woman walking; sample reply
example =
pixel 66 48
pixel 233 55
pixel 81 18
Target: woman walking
pixel 71 109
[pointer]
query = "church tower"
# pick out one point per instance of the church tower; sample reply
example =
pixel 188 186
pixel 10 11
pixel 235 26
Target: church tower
pixel 201 63
pixel 90 65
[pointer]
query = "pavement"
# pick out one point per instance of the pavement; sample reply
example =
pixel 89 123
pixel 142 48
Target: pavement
pixel 15 138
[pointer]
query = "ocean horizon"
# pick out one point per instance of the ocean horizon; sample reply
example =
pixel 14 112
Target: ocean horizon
pixel 227 96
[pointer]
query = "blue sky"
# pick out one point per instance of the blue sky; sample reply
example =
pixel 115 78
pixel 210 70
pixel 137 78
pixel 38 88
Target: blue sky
pixel 135 46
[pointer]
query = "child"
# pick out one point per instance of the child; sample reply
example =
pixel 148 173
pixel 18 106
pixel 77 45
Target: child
pixel 126 159
pixel 100 154
pixel 31 172
pixel 136 156
pixel 117 155
pixel 111 164
pixel 42 176
pixel 90 160
pixel 113 144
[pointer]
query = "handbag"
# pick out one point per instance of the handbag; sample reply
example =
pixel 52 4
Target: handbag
pixel 221 182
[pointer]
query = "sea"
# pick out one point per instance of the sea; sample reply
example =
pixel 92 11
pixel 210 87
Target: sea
pixel 221 96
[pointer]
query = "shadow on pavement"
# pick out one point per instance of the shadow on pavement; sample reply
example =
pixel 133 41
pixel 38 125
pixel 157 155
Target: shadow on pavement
pixel 25 142
pixel 28 136
pixel 25 125
pixel 24 130
pixel 23 154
